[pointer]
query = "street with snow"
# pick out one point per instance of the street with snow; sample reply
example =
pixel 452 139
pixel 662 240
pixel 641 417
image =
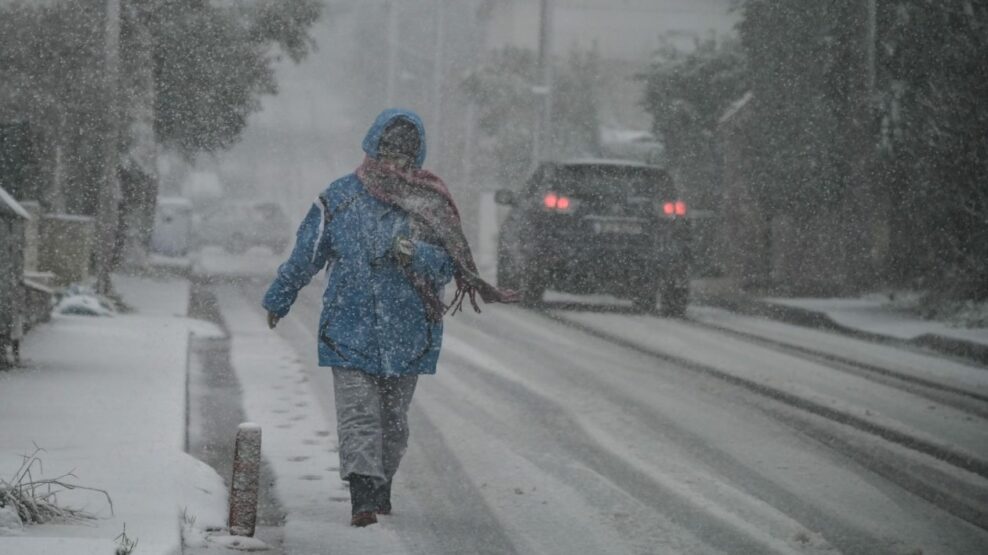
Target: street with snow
pixel 581 428
pixel 577 426
pixel 727 258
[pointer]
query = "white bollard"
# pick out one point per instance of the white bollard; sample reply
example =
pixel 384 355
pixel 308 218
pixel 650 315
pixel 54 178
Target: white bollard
pixel 246 476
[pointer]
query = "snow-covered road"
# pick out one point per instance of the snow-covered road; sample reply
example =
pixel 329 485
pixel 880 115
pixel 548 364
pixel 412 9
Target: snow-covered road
pixel 570 430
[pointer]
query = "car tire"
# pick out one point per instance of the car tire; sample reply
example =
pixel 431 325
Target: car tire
pixel 532 288
pixel 507 278
pixel 674 300
pixel 644 301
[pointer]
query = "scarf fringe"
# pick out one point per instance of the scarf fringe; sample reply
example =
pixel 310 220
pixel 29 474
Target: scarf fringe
pixel 463 292
pixel 444 219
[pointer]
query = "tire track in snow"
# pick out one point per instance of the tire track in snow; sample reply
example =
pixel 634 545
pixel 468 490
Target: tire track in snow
pixel 529 342
pixel 847 536
pixel 957 457
pixel 730 521
pixel 956 489
pixel 962 399
pixel 540 511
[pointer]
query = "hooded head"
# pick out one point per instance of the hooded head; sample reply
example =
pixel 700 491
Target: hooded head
pixel 397 130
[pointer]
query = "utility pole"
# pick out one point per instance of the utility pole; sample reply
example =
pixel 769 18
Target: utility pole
pixel 392 15
pixel 543 124
pixel 866 249
pixel 109 190
pixel 871 36
pixel 438 66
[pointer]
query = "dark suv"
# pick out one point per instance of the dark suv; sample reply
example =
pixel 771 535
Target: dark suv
pixel 597 226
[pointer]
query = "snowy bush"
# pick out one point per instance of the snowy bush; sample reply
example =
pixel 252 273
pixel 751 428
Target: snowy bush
pixel 83 300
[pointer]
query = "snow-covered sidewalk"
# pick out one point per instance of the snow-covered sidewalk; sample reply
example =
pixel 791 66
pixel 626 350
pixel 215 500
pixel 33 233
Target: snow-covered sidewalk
pixel 105 397
pixel 299 436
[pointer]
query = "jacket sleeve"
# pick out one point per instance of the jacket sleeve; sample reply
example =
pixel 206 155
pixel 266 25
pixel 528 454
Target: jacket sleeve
pixel 310 255
pixel 433 262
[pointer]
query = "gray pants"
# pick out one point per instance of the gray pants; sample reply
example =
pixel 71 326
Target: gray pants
pixel 372 422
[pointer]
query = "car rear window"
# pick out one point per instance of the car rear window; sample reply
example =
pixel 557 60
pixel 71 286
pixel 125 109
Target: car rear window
pixel 588 180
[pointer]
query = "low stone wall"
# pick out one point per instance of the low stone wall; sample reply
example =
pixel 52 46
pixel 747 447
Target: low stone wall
pixel 67 244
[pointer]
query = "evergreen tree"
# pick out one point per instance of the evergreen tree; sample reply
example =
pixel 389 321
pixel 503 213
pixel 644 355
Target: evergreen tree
pixel 934 81
pixel 213 62
pixel 686 94
pixel 503 90
pixel 812 140
pixel 802 83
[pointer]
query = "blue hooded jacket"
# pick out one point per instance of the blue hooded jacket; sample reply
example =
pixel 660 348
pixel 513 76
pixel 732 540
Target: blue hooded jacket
pixel 372 318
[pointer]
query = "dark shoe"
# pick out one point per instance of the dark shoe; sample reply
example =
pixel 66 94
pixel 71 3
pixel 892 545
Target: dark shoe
pixel 382 497
pixel 365 518
pixel 362 499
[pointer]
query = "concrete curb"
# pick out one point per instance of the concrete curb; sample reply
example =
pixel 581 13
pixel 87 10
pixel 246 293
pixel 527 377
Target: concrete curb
pixel 951 345
pixel 751 306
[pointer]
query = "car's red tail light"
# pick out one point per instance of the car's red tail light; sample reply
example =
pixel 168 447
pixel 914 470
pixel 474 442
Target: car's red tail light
pixel 674 208
pixel 554 201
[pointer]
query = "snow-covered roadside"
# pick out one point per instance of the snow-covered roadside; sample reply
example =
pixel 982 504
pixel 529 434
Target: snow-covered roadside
pixel 873 315
pixel 105 398
pixel 909 362
pixel 299 437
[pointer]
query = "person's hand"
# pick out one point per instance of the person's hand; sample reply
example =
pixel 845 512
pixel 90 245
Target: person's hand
pixel 403 249
pixel 272 320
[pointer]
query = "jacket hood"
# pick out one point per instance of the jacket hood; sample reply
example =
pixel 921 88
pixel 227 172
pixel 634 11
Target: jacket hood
pixel 373 138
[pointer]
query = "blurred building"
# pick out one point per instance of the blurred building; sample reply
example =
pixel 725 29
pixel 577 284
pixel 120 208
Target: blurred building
pixel 54 124
pixel 625 34
pixel 620 29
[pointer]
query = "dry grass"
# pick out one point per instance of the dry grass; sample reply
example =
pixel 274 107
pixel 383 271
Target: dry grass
pixel 36 500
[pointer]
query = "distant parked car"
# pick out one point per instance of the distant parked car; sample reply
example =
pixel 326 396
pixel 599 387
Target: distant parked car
pixel 172 226
pixel 597 226
pixel 239 225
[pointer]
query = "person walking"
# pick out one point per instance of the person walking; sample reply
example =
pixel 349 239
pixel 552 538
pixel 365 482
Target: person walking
pixel 390 237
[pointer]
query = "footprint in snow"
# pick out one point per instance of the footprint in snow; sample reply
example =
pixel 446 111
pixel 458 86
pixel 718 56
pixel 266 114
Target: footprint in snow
pixel 298 458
